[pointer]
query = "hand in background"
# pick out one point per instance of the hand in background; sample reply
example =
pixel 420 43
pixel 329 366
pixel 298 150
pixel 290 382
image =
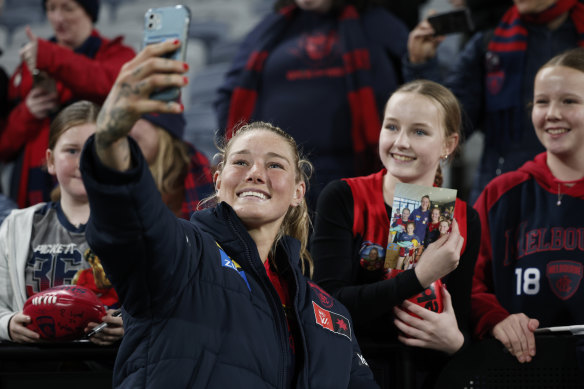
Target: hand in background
pixel 437 331
pixel 41 103
pixel 516 334
pixel 18 331
pixel 422 44
pixel 110 334
pixel 28 53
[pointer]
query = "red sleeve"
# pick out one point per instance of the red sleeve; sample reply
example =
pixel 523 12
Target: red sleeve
pixel 87 78
pixel 20 125
pixel 486 311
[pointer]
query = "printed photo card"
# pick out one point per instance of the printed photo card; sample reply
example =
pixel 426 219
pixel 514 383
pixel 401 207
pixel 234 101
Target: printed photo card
pixel 421 214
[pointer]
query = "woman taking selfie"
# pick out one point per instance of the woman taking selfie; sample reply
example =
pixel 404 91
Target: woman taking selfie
pixel 220 301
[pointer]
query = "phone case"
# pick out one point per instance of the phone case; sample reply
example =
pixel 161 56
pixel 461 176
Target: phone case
pixel 452 22
pixel 166 23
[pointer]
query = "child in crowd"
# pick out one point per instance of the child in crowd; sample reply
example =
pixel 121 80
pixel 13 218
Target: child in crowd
pixel 531 259
pixel 43 246
pixel 421 127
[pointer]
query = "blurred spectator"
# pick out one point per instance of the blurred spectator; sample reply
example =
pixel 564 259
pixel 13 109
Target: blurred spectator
pixel 181 173
pixel 76 63
pixel 321 70
pixel 493 76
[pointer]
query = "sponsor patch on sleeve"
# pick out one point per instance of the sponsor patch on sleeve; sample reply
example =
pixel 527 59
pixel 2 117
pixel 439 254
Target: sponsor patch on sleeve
pixel 230 263
pixel 332 321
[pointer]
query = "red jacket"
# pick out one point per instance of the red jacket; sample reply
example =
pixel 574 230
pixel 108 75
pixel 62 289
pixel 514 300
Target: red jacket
pixel 87 76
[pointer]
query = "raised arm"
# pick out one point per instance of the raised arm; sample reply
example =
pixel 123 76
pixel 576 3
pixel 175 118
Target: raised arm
pixel 129 99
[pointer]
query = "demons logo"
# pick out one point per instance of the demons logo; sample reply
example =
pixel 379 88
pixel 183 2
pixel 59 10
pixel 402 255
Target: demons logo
pixel 323 296
pixel 564 277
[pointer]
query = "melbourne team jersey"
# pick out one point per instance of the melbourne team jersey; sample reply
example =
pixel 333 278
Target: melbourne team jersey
pixel 56 250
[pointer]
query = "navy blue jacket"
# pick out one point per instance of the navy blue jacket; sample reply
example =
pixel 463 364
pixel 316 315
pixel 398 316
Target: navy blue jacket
pixel 197 316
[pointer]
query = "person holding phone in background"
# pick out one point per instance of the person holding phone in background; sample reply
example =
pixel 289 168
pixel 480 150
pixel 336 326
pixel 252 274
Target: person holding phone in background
pixel 493 76
pixel 44 245
pixel 532 252
pixel 76 63
pixel 421 128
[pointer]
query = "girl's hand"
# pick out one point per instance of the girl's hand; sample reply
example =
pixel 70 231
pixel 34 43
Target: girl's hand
pixel 110 334
pixel 18 331
pixel 437 331
pixel 516 334
pixel 129 99
pixel 440 258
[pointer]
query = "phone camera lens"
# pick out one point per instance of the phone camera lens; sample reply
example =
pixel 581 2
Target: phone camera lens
pixel 151 16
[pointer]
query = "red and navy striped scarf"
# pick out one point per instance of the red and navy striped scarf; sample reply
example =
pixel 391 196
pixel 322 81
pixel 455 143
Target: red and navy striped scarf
pixel 506 55
pixel 365 122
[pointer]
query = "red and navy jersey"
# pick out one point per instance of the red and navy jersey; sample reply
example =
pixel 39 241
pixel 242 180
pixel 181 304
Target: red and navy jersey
pixel 531 258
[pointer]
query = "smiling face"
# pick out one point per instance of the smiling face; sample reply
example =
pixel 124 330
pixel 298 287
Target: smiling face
pixel 405 214
pixel 63 161
pixel 259 178
pixel 425 203
pixel 71 24
pixel 413 138
pixel 444 227
pixel 435 215
pixel 558 112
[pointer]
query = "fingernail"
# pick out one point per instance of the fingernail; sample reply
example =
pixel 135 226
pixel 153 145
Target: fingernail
pixel 182 107
pixel 185 80
pixel 186 66
pixel 176 42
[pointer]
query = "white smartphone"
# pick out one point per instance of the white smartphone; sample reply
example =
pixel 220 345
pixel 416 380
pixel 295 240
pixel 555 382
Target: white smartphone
pixel 166 23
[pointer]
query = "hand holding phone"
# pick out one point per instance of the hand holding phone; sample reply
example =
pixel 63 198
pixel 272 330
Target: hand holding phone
pixel 168 23
pixel 42 80
pixel 452 22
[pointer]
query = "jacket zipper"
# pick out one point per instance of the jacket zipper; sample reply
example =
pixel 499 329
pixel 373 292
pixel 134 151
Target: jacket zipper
pixel 276 307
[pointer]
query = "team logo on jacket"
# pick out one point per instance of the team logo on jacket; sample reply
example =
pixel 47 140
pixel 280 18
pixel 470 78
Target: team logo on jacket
pixel 333 322
pixel 564 277
pixel 323 296
pixel 231 264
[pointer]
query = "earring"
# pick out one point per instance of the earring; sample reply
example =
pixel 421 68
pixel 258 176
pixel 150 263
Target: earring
pixel 444 158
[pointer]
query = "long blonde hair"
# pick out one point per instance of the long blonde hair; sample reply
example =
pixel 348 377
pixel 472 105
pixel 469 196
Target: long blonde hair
pixel 296 222
pixel 171 163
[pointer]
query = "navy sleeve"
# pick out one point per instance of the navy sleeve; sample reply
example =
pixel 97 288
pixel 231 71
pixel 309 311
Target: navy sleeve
pixel 336 264
pixel 146 251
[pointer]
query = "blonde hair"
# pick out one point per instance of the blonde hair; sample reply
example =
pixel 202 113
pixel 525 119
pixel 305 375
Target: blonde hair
pixel 171 163
pixel 450 107
pixel 296 222
pixel 76 114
